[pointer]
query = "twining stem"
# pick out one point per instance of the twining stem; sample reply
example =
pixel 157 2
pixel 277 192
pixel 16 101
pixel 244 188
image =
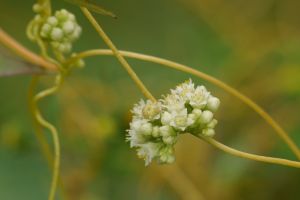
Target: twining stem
pixel 39 134
pixel 282 134
pixel 229 150
pixel 116 52
pixel 53 131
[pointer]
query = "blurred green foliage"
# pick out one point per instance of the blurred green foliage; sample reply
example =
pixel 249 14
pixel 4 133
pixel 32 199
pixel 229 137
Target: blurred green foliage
pixel 252 45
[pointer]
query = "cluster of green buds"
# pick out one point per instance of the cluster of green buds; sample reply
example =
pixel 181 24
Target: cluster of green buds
pixel 155 126
pixel 61 30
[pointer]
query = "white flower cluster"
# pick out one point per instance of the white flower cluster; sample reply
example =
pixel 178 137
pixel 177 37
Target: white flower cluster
pixel 155 126
pixel 61 30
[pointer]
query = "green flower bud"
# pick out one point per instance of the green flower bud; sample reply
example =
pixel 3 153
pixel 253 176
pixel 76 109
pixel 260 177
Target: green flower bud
pixel 62 15
pixel 169 140
pixel 212 124
pixel 52 21
pixel 56 34
pixel 37 8
pixel 68 27
pixel 209 132
pixel 166 131
pixel 155 131
pixel 46 28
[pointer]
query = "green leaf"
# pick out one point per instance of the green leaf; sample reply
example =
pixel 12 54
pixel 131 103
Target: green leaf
pixel 93 7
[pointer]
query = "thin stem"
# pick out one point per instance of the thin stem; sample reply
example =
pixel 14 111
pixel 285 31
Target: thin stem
pixel 24 53
pixel 115 51
pixel 41 138
pixel 53 131
pixel 282 134
pixel 250 156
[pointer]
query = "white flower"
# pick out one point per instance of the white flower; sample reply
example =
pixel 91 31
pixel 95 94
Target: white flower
pixel 135 138
pixel 139 131
pixel 199 97
pixel 184 90
pixel 173 103
pixel 180 120
pixel 147 110
pixel 156 126
pixel 149 151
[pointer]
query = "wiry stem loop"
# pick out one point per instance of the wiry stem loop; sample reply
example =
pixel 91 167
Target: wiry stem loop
pixel 53 131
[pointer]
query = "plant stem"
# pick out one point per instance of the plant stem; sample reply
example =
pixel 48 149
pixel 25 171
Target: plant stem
pixel 24 53
pixel 53 131
pixel 282 134
pixel 118 55
pixel 250 156
pixel 41 138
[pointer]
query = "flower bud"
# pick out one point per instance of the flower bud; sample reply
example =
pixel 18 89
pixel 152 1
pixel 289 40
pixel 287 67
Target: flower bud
pixel 209 132
pixel 166 131
pixel 155 131
pixel 169 140
pixel 213 104
pixel 52 21
pixel 56 34
pixel 197 112
pixel 212 124
pixel 68 27
pixel 206 117
pixel 37 8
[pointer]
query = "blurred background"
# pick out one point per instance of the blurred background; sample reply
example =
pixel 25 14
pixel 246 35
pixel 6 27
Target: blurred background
pixel 252 45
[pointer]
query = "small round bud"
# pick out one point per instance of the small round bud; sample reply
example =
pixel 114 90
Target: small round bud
pixel 212 124
pixel 62 15
pixel 62 48
pixel 209 132
pixel 37 17
pixel 52 21
pixel 197 112
pixel 170 159
pixel 166 131
pixel 71 17
pixel 146 129
pixel 80 63
pixel 192 116
pixel 68 27
pixel 37 8
pixel 56 34
pixel 213 104
pixel 155 131
pixel 169 140
pixel 206 117
pixel 45 31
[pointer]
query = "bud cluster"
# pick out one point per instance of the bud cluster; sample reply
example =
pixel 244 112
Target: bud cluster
pixel 155 126
pixel 61 30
